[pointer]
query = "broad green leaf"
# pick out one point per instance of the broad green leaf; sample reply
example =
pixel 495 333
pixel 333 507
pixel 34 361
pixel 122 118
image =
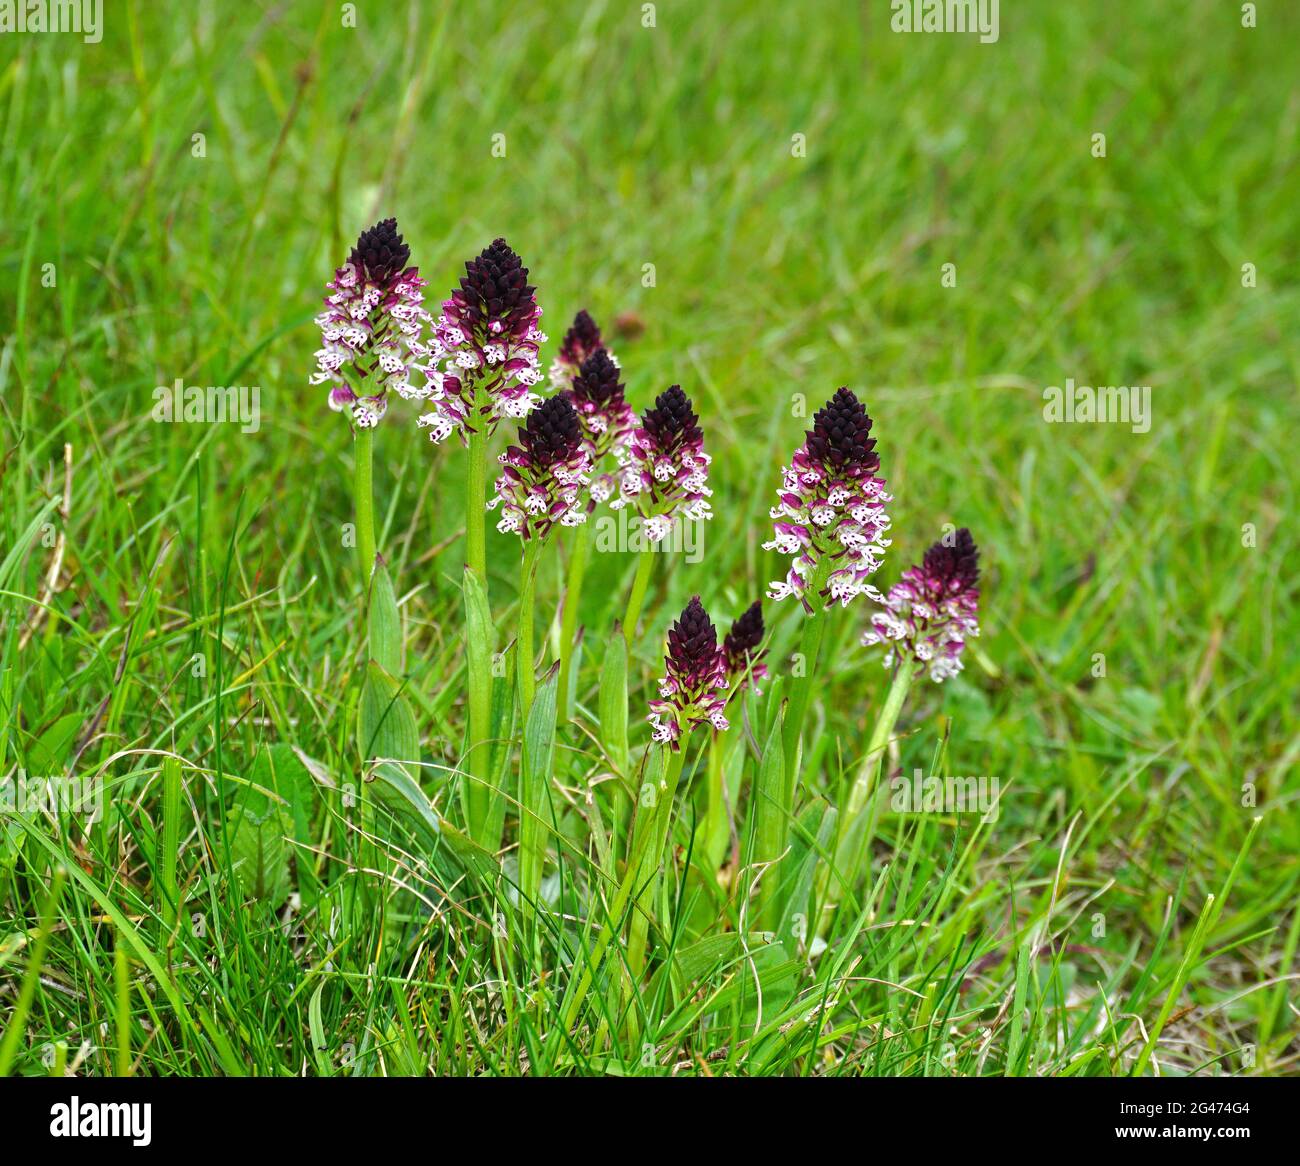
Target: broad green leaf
pixel 385 622
pixel 535 775
pixel 47 753
pixel 613 703
pixel 404 795
pixel 258 851
pixel 503 745
pixel 385 724
pixel 814 835
pixel 770 821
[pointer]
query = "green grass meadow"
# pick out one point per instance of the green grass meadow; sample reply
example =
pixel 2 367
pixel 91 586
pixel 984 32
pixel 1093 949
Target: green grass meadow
pixel 757 200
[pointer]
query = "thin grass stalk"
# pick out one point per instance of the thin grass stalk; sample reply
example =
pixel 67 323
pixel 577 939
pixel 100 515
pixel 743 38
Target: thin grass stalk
pixel 169 846
pixel 16 1030
pixel 122 1004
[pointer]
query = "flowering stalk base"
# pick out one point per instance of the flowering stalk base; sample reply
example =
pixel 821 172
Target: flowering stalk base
pixel 578 559
pixel 364 502
pixel 641 848
pixel 800 689
pixel 636 598
pixel 478 757
pixel 525 651
pixel 854 831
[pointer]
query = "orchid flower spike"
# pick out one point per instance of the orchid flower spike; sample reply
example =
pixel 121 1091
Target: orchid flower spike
pixel 372 328
pixel 665 471
pixel 607 419
pixel 930 613
pixel 543 476
pixel 581 341
pixel 741 650
pixel 489 341
pixel 830 514
pixel 693 691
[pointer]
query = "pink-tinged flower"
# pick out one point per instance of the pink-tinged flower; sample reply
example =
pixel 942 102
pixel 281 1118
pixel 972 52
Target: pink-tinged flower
pixel 372 327
pixel 741 650
pixel 489 338
pixel 694 689
pixel 543 476
pixel 581 342
pixel 665 471
pixel 607 419
pixel 931 612
pixel 831 509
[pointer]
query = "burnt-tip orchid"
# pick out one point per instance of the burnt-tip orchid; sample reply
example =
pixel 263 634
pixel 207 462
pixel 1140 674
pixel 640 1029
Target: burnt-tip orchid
pixel 693 690
pixel 543 475
pixel 372 328
pixel 830 515
pixel 665 471
pixel 606 418
pixel 489 341
pixel 581 342
pixel 932 611
pixel 741 650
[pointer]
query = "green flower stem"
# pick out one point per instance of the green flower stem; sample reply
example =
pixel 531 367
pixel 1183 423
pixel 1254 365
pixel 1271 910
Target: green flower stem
pixel 525 652
pixel 569 620
pixel 635 601
pixel 476 506
pixel 854 832
pixel 478 760
pixel 880 736
pixel 810 646
pixel 363 497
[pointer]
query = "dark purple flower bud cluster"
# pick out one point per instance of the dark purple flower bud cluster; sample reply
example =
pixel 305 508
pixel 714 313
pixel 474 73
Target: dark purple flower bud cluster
pixel 741 649
pixel 665 471
pixel 489 340
pixel 694 689
pixel 607 419
pixel 542 477
pixel 830 516
pixel 930 613
pixel 581 342
pixel 373 326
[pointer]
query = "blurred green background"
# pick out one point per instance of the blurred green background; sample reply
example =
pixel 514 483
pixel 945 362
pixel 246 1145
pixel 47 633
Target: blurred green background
pixel 797 175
